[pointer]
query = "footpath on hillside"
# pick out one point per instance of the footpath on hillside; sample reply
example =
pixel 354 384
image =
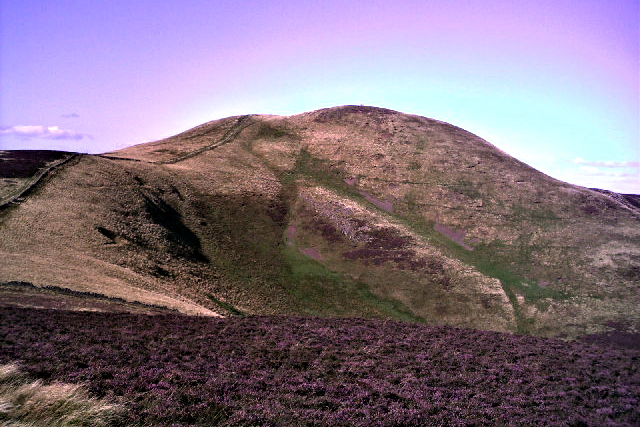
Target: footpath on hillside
pixel 19 174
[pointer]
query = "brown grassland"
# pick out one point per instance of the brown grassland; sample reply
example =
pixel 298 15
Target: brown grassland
pixel 347 211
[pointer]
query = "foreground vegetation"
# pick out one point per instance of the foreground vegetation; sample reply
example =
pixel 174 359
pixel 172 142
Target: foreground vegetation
pixel 174 370
pixel 27 403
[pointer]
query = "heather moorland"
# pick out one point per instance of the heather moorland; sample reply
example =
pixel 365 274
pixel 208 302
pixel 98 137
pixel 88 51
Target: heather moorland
pixel 307 371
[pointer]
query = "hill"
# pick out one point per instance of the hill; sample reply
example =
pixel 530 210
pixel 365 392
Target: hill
pixel 347 211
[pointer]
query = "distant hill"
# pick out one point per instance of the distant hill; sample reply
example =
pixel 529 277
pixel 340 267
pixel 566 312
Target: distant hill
pixel 347 211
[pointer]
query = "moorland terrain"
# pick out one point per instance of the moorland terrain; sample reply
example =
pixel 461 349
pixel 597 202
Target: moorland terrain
pixel 349 212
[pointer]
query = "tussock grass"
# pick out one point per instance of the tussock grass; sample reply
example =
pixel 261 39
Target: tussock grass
pixel 28 403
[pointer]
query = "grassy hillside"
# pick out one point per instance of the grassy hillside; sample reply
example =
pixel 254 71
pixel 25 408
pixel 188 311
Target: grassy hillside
pixel 348 211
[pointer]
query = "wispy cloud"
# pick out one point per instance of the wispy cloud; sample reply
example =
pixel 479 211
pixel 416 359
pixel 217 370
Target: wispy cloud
pixel 605 164
pixel 39 131
pixel 619 176
pixel 71 116
pixel 593 171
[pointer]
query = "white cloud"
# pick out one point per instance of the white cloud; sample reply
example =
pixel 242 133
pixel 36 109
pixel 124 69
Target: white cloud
pixel 605 164
pixel 39 131
pixel 621 177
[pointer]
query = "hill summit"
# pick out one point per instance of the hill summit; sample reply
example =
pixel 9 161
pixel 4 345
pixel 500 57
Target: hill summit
pixel 346 211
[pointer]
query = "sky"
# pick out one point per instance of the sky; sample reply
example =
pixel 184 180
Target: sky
pixel 554 83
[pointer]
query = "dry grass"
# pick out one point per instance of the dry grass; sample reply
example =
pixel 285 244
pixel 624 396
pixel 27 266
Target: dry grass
pixel 26 403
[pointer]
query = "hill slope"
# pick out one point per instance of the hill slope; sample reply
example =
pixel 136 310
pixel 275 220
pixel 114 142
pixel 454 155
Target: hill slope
pixel 348 211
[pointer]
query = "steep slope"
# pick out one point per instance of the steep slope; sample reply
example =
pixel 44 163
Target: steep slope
pixel 348 211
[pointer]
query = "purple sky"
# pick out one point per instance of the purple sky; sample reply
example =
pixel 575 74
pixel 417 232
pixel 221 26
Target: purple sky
pixel 554 83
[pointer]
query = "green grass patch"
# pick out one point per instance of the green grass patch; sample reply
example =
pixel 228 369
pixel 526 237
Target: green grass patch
pixel 268 131
pixel 535 293
pixel 492 260
pixel 322 171
pixel 225 305
pixel 539 217
pixel 315 283
pixel 414 165
pixel 466 188
pixel 485 261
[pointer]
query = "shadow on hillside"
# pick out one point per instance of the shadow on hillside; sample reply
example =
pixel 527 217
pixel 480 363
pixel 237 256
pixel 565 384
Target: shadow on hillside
pixel 187 243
